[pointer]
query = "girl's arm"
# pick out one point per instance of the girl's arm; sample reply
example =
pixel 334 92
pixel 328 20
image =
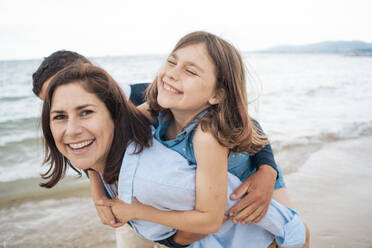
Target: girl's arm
pixel 211 191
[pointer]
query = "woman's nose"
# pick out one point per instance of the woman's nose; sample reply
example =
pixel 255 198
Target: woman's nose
pixel 73 127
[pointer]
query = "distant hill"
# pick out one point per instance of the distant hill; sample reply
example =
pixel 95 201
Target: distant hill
pixel 342 47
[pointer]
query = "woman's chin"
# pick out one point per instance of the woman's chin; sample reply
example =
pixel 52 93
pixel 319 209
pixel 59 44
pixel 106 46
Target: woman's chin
pixel 82 165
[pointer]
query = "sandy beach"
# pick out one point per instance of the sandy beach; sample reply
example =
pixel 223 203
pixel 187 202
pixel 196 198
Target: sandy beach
pixel 60 217
pixel 331 191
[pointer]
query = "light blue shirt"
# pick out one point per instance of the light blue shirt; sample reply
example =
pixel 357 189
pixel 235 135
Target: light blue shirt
pixel 239 164
pixel 164 179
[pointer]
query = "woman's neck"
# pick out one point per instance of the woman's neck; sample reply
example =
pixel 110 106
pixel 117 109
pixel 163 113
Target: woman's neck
pixel 99 167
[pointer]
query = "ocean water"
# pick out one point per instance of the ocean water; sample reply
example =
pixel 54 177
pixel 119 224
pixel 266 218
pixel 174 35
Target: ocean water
pixel 305 102
pixel 21 148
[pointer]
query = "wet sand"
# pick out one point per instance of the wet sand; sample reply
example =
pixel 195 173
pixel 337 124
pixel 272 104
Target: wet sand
pixel 60 217
pixel 333 192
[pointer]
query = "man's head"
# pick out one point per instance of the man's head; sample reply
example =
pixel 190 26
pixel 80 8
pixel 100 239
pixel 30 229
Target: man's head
pixel 50 66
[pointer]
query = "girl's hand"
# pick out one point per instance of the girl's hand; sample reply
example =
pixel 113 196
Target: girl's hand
pixel 259 188
pixel 107 217
pixel 186 238
pixel 123 212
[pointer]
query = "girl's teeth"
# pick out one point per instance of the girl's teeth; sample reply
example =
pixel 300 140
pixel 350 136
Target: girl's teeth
pixel 167 87
pixel 80 145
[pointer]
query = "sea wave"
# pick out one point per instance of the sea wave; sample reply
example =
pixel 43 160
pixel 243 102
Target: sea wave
pixel 19 130
pixel 28 189
pixel 351 131
pixel 10 99
pixel 292 154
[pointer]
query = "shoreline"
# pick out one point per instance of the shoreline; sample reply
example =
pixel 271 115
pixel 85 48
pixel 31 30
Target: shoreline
pixel 16 193
pixel 331 191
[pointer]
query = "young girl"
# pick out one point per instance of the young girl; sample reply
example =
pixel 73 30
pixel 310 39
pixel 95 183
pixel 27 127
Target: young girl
pixel 199 97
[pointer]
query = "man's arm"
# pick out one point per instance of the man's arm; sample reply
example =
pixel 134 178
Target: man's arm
pixel 138 93
pixel 258 188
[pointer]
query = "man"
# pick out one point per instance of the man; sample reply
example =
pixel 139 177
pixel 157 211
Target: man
pixel 61 59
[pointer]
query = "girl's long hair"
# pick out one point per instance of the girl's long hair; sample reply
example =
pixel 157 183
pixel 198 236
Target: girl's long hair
pixel 228 120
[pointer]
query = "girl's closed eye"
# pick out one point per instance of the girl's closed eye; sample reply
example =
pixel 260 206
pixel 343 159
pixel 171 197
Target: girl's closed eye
pixel 191 72
pixel 171 62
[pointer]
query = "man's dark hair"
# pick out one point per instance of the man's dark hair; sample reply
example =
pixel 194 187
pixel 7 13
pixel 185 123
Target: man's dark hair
pixel 52 64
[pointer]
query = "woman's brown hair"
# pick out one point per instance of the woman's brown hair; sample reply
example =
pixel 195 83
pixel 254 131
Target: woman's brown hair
pixel 228 120
pixel 130 124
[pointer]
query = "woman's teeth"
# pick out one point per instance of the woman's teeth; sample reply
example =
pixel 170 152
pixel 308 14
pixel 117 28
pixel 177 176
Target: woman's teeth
pixel 80 145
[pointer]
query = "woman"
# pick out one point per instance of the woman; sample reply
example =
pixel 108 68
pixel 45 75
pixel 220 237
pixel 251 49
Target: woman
pixel 88 130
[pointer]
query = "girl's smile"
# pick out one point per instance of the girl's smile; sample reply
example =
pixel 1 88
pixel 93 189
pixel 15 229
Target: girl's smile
pixel 170 88
pixel 187 81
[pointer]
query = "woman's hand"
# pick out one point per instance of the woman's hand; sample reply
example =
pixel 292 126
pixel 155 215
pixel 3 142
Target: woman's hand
pixel 97 191
pixel 107 216
pixel 259 188
pixel 122 211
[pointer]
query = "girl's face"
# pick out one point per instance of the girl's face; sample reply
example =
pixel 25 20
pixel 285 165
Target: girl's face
pixel 186 83
pixel 81 126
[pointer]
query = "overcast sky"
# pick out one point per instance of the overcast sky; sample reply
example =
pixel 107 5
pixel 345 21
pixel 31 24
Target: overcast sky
pixel 36 28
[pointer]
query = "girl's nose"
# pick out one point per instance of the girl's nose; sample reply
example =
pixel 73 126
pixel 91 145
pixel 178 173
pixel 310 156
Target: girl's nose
pixel 173 73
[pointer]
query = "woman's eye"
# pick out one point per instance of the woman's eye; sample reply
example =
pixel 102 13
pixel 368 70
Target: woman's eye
pixel 86 112
pixel 59 117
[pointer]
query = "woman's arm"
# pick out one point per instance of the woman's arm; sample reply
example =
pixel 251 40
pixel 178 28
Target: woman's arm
pixel 96 188
pixel 211 191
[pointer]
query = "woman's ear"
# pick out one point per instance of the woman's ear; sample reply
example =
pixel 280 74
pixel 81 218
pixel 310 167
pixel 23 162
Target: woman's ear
pixel 218 97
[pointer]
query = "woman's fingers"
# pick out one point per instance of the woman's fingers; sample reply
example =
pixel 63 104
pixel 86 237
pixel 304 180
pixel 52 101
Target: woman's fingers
pixel 104 202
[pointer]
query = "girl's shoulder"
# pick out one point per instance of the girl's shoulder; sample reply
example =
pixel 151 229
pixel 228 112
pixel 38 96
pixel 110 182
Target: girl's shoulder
pixel 205 138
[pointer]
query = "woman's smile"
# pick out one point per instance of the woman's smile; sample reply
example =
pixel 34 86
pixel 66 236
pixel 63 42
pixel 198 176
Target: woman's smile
pixel 81 126
pixel 80 147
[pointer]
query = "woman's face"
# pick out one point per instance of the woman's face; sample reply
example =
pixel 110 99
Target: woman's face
pixel 81 126
pixel 187 80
